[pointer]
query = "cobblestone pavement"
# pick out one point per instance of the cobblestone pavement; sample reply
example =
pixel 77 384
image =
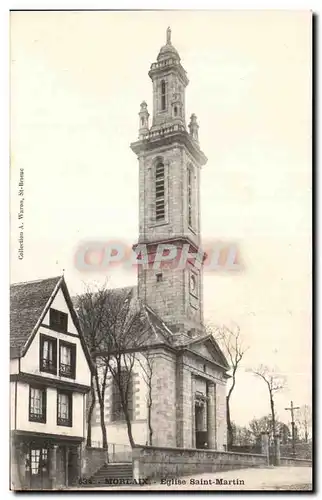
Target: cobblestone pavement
pixel 272 478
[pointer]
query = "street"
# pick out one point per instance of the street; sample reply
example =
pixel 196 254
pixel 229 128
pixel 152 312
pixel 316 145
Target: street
pixel 272 478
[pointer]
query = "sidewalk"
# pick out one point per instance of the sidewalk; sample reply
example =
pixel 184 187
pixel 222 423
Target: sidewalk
pixel 272 478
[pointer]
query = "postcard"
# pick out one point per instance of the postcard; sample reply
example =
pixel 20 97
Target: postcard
pixel 160 247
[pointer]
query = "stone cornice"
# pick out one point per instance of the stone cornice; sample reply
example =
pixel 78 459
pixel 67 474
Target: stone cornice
pixel 167 66
pixel 179 240
pixel 168 136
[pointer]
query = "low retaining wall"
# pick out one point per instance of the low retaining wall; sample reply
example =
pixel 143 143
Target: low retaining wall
pixel 297 462
pixel 92 460
pixel 155 463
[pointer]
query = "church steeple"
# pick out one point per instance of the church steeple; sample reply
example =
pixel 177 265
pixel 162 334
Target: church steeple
pixel 170 161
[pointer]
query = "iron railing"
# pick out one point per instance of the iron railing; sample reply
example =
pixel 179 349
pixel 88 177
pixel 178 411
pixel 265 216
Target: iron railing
pixel 117 453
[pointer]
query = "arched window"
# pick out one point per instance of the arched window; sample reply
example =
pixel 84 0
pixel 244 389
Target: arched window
pixel 190 196
pixel 163 95
pixel 142 121
pixel 159 192
pixel 175 111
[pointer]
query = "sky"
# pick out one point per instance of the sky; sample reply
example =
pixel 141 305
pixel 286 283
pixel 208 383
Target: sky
pixel 77 81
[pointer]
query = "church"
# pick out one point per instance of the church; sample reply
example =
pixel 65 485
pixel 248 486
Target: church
pixel 190 371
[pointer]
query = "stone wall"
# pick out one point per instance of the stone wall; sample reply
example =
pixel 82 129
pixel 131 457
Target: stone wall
pixel 92 460
pixel 221 418
pixel 302 450
pixel 164 400
pixel 297 462
pixel 155 463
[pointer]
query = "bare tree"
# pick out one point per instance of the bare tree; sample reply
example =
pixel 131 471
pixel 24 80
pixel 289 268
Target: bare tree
pixel 243 436
pixel 232 344
pixel 91 307
pixel 275 383
pixel 115 327
pixel 265 424
pixel 126 334
pixel 304 421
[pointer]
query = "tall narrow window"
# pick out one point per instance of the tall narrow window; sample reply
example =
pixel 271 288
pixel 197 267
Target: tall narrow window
pixel 163 95
pixel 48 354
pixel 159 193
pixel 189 196
pixel 37 404
pixel 64 408
pixel 67 359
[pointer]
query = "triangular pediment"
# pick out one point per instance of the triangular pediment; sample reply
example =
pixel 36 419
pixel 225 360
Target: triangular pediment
pixel 203 350
pixel 210 350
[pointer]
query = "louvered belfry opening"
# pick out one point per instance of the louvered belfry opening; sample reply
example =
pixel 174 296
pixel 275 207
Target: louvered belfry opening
pixel 159 192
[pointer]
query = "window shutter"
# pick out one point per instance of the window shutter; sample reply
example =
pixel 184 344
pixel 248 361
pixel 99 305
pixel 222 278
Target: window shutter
pixel 73 360
pixel 55 354
pixel 64 321
pixel 70 404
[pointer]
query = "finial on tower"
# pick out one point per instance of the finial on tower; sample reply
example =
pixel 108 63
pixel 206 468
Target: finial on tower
pixel 169 36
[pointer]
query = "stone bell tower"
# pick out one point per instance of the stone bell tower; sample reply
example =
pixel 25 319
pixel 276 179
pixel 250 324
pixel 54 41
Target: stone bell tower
pixel 170 161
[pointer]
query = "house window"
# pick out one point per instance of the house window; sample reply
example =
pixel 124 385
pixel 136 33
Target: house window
pixel 37 404
pixel 163 95
pixel 64 408
pixel 159 192
pixel 159 277
pixel 37 461
pixel 48 354
pixel 58 320
pixel 189 196
pixel 67 359
pixel 127 392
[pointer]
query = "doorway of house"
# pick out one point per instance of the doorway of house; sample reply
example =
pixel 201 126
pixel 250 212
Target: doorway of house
pixel 37 465
pixel 72 466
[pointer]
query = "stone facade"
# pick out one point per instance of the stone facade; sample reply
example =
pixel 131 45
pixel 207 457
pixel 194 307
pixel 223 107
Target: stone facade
pixel 164 400
pixel 190 371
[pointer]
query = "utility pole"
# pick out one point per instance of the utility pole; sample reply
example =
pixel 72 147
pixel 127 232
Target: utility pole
pixel 291 409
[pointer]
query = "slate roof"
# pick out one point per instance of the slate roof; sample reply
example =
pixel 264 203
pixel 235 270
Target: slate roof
pixel 27 303
pixel 162 334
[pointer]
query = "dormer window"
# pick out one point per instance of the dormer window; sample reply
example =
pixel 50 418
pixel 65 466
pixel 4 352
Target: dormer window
pixel 58 320
pixel 163 95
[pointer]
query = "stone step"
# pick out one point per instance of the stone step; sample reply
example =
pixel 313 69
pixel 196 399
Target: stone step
pixel 110 472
